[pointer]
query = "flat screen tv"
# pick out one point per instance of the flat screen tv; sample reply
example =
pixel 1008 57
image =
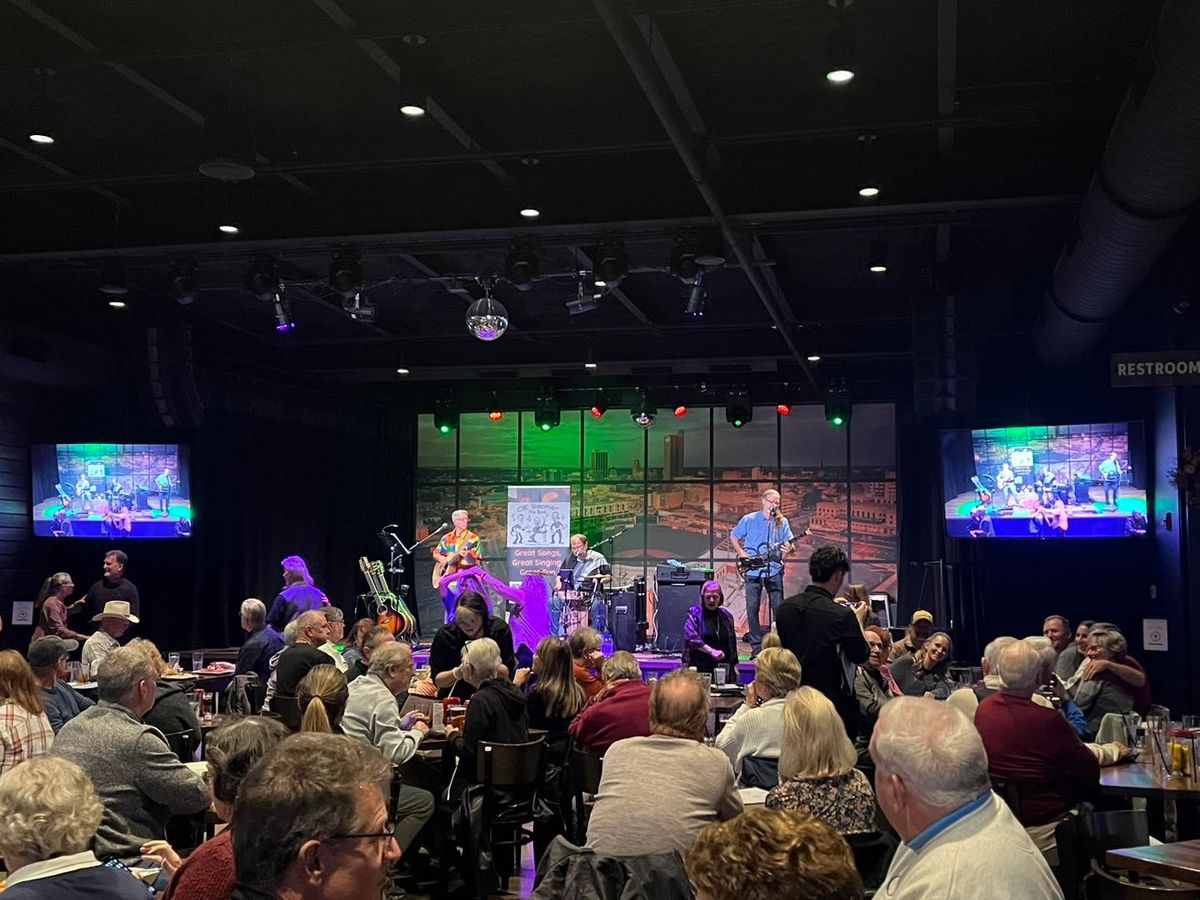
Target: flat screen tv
pixel 111 491
pixel 1045 482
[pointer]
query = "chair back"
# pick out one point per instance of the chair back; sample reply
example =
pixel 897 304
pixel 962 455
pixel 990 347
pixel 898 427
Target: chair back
pixel 1008 792
pixel 584 769
pixel 287 708
pixel 760 772
pixel 1105 885
pixel 510 765
pixel 873 852
pixel 1114 830
pixel 183 744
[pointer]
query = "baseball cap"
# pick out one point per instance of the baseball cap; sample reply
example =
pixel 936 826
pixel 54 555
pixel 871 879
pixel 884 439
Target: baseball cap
pixel 47 651
pixel 922 615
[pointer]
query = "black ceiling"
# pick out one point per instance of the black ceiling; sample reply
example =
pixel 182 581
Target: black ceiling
pixel 988 119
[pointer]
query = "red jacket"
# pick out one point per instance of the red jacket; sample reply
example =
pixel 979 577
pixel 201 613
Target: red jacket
pixel 1034 748
pixel 624 713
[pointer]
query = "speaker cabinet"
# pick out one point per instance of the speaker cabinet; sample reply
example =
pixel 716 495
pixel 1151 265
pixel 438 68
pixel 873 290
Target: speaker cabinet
pixel 623 620
pixel 671 607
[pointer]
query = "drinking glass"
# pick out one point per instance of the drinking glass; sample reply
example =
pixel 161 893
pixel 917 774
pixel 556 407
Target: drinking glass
pixel 173 661
pixel 719 676
pixel 197 660
pixel 1191 723
pixel 707 679
pixel 76 671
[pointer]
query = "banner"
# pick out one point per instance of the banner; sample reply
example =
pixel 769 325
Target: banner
pixel 539 529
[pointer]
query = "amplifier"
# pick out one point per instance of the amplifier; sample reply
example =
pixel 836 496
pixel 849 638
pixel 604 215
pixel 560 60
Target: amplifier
pixel 671 608
pixel 623 620
pixel 680 575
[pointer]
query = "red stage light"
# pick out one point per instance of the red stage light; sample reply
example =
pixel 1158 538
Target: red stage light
pixel 598 412
pixel 784 409
pixel 495 415
pixel 680 412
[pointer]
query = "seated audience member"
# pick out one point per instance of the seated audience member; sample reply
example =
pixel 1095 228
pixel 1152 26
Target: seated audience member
pixel 51 813
pixel 621 710
pixel 1122 670
pixel 1057 630
pixel 139 780
pixel 1070 659
pixel 958 838
pixel 1099 691
pixel 352 652
pixel 373 715
pixel 335 628
pixel 372 639
pixel 552 695
pixel 262 642
pixel 48 659
pixel 114 622
pixel 290 632
pixel 1034 748
pixel 816 769
pixel 709 639
pixel 772 855
pixel 920 629
pixel 296 661
pixel 311 822
pixel 873 685
pixel 497 712
pixel 25 731
pixel 51 608
pixel 588 660
pixel 692 785
pixel 172 713
pixel 321 696
pixel 771 639
pixel 472 619
pixel 927 670
pixel 967 699
pixel 231 751
pixel 756 727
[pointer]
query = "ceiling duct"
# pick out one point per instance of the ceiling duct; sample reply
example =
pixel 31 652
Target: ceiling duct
pixel 1146 186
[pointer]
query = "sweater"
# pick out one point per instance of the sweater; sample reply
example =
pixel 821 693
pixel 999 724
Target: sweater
pixel 916 682
pixel 104 590
pixel 446 653
pixel 172 713
pixel 207 874
pixel 373 715
pixel 753 732
pixel 63 703
pixel 53 620
pixel 657 794
pixel 984 854
pixel 294 663
pixel 624 713
pixel 139 780
pixel 77 876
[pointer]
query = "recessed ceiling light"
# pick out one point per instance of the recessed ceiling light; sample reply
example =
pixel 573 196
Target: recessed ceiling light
pixel 839 76
pixel 412 110
pixel 530 212
pixel 589 365
pixel 878 268
pixel 227 229
pixel 400 370
pixel 868 190
pixel 117 304
pixel 814 358
pixel 41 138
pixel 600 282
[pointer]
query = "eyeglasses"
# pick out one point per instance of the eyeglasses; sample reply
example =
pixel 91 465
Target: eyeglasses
pixel 374 835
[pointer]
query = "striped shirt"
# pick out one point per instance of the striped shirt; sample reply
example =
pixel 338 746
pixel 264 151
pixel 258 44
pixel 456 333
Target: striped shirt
pixel 23 735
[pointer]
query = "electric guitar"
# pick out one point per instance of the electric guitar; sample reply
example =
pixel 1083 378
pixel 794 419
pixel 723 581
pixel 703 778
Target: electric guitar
pixel 748 564
pixel 390 610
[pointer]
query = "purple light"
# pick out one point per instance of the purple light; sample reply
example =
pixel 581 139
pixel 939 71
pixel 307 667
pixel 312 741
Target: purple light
pixel 285 326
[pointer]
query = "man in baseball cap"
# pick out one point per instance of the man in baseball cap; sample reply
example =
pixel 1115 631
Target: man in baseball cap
pixel 48 658
pixel 920 627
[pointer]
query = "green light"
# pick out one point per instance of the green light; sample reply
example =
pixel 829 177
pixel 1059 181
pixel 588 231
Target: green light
pixel 838 420
pixel 444 429
pixel 737 423
pixel 545 426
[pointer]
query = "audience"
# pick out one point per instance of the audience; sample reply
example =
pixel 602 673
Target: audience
pixel 298 594
pixel 621 710
pixel 1071 658
pixel 552 695
pixel 172 713
pixel 335 629
pixel 51 608
pixel 709 638
pixel 1099 690
pixel 873 685
pixel 114 622
pixel 967 699
pixel 139 780
pixel 927 670
pixel 658 792
pixel 25 731
pixel 771 639
pixel 766 855
pixel 472 619
pixel 231 752
pixel 816 768
pixel 311 822
pixel 373 715
pixel 322 695
pixel 51 813
pixel 958 838
pixel 352 652
pixel 1034 748
pixel 497 711
pixel 48 659
pixel 1122 670
pixel 291 631
pixel 372 638
pixel 588 660
pixel 262 642
pixel 920 627
pixel 756 727
pixel 826 637
pixel 1057 630
pixel 295 662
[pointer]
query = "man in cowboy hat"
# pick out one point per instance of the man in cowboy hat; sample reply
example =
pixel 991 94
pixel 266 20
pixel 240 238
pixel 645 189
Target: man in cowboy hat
pixel 114 620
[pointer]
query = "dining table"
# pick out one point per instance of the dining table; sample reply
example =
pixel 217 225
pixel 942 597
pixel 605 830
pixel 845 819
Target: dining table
pixel 1161 791
pixel 1180 860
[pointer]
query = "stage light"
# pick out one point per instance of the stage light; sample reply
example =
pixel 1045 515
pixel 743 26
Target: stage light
pixel 360 308
pixel 262 279
pixel 445 420
pixel 530 212
pixel 521 265
pixel 598 410
pixel 869 191
pixel 412 93
pixel 784 409
pixel 609 262
pixel 496 415
pixel 283 314
pixel 112 277
pixel 403 370
pixel 813 358
pixel 683 261
pixel 697 297
pixel 877 256
pixel 585 300
pixel 680 411
pixel 38 138
pixel 837 408
pixel 738 411
pixel 643 413
pixel 546 413
pixel 345 274
pixel 183 282
pixel 487 318
pixel 117 304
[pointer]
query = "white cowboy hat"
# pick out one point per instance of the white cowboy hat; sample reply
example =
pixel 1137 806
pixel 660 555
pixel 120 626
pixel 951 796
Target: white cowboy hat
pixel 116 609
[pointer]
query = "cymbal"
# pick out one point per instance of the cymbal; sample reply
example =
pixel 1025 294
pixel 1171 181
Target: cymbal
pixel 597 577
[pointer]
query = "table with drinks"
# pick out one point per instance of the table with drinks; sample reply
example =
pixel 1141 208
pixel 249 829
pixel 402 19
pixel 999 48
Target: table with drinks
pixel 206 682
pixel 1163 773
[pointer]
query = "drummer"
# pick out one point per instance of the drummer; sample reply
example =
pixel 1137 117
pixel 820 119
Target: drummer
pixel 589 572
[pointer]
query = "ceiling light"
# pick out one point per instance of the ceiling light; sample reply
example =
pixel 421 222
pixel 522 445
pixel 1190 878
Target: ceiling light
pixel 644 413
pixel 869 191
pixel 345 273
pixel 609 262
pixel 530 212
pixel 262 279
pixel 697 297
pixel 117 304
pixel 41 138
pixel 839 55
pixel 413 99
pixel 784 409
pixel 412 110
pixel 683 261
pixel 228 228
pixel 589 365
pixel 402 370
pixel 814 358
pixel 877 256
pixel 112 277
pixel 546 413
pixel 183 282
pixel 521 265
pixel 600 282
pixel 839 76
pixel 445 420
pixel 496 415
pixel 738 411
pixel 487 318
pixel 680 411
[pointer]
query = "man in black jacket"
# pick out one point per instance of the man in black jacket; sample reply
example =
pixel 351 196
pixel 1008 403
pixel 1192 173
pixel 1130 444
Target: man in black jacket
pixel 826 637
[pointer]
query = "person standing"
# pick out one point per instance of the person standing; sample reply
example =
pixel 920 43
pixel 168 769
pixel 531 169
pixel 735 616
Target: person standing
pixel 456 551
pixel 827 637
pixel 114 585
pixel 1110 473
pixel 165 487
pixel 768 535
pixel 52 610
pixel 298 595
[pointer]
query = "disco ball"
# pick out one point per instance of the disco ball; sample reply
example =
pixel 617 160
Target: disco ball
pixel 487 319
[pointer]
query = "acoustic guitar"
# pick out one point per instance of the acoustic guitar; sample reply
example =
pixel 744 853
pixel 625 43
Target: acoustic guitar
pixel 390 611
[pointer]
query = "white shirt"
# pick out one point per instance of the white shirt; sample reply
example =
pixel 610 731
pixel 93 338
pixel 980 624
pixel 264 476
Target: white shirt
pixel 47 868
pixel 329 648
pixel 95 648
pixel 753 732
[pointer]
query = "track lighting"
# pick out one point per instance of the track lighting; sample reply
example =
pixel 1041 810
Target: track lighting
pixel 546 413
pixel 738 411
pixel 183 282
pixel 877 256
pixel 521 265
pixel 609 262
pixel 445 420
pixel 837 407
pixel 643 413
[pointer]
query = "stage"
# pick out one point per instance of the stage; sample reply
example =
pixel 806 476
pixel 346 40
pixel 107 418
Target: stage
pixel 1085 520
pixel 85 523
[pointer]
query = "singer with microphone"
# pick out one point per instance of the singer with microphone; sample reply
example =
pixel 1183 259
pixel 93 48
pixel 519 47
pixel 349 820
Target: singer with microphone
pixel 457 550
pixel 761 539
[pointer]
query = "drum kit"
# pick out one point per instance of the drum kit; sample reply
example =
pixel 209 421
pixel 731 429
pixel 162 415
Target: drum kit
pixel 578 598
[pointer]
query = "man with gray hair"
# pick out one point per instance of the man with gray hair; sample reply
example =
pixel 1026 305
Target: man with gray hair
pixel 139 780
pixel 372 639
pixel 621 709
pixel 312 630
pixel 966 700
pixel 931 780
pixel 692 785
pixel 262 641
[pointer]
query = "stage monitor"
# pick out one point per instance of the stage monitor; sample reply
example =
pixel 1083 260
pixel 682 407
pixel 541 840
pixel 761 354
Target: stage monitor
pixel 111 491
pixel 1045 482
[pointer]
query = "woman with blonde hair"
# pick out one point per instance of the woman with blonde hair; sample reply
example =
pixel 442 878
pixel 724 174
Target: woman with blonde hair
pixel 322 697
pixel 816 767
pixel 25 731
pixel 172 712
pixel 927 671
pixel 51 608
pixel 756 729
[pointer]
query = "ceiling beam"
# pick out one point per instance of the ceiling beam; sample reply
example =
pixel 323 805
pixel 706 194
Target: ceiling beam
pixel 947 70
pixel 26 154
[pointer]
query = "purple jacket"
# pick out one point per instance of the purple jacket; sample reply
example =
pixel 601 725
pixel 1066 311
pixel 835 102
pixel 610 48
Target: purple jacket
pixel 693 639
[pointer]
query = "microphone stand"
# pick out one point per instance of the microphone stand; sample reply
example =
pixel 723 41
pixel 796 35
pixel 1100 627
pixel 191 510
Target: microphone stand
pixel 397 551
pixel 606 595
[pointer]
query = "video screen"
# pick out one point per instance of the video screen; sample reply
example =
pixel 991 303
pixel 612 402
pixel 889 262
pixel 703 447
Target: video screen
pixel 111 491
pixel 1046 482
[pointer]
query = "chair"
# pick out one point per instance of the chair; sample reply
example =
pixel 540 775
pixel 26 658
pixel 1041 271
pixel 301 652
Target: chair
pixel 873 852
pixel 584 768
pixel 183 744
pixel 760 772
pixel 1009 792
pixel 288 709
pixel 1106 885
pixel 511 776
pixel 1103 831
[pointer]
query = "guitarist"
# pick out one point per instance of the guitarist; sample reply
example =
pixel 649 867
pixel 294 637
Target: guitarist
pixel 766 534
pixel 457 550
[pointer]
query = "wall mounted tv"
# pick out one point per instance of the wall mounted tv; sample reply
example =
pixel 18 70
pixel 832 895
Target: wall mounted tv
pixel 1045 482
pixel 111 491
